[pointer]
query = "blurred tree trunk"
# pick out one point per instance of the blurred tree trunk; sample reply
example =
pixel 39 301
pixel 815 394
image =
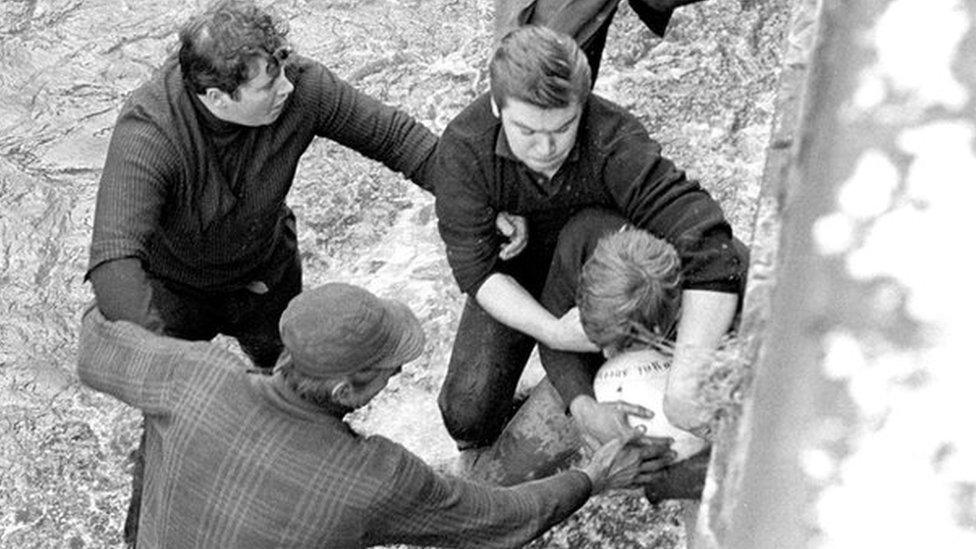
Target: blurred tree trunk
pixel 854 425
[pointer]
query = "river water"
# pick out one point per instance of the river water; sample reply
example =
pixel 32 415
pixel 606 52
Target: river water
pixel 65 68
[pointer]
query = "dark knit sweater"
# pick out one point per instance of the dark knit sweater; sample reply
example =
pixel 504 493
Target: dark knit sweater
pixel 202 202
pixel 613 165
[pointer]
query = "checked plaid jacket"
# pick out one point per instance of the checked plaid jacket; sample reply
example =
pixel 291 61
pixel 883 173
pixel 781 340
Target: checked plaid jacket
pixel 232 461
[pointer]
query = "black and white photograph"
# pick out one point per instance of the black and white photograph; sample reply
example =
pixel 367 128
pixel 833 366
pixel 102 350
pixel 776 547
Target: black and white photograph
pixel 568 274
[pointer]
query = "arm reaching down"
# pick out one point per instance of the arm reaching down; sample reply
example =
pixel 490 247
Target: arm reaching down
pixel 418 506
pixel 123 292
pixel 705 319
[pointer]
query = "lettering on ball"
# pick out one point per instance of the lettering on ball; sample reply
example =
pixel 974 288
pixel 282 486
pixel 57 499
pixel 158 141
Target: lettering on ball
pixel 643 368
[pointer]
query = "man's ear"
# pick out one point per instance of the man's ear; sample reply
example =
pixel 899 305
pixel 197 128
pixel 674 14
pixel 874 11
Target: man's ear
pixel 216 98
pixel 342 392
pixel 494 108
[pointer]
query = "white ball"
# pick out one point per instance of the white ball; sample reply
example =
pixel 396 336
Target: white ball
pixel 640 377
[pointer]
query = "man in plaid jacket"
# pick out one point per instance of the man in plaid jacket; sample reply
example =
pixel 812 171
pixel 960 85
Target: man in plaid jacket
pixel 239 459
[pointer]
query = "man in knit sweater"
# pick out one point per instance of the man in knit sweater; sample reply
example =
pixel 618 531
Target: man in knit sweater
pixel 542 146
pixel 192 233
pixel 237 459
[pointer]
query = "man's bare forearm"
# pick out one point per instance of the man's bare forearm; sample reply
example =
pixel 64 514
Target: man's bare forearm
pixel 512 305
pixel 706 317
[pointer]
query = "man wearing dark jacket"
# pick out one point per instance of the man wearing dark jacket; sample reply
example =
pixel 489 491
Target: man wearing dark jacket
pixel 540 145
pixel 192 233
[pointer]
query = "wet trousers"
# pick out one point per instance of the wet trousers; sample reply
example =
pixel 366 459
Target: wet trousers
pixel 587 21
pixel 248 315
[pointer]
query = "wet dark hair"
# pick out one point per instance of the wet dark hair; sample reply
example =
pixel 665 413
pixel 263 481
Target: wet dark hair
pixel 630 290
pixel 219 46
pixel 541 67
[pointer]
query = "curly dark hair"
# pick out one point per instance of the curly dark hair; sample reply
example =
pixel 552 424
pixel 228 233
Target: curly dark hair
pixel 218 47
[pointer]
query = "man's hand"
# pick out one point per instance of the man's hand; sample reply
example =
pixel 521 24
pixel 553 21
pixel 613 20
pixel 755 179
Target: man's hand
pixel 624 463
pixel 601 422
pixel 566 334
pixel 514 228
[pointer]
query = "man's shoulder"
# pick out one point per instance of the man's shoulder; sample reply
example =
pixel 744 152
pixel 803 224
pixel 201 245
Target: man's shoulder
pixel 610 128
pixel 389 455
pixel 474 125
pixel 122 334
pixel 153 98
pixel 159 112
pixel 313 81
pixel 307 74
pixel 605 114
pixel 317 89
pixel 128 353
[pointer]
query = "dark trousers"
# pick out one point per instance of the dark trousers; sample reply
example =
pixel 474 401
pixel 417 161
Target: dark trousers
pixel 250 317
pixel 587 21
pixel 488 357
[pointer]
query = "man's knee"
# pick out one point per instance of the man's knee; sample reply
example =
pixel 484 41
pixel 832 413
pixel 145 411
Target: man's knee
pixel 460 423
pixel 476 397
pixel 470 420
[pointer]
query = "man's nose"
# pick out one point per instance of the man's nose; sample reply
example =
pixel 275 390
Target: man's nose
pixel 547 143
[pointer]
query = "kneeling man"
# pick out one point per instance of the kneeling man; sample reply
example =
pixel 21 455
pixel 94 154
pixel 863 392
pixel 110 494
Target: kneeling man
pixel 540 145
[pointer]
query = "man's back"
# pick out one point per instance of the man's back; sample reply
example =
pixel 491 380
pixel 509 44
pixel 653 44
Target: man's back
pixel 230 463
pixel 235 461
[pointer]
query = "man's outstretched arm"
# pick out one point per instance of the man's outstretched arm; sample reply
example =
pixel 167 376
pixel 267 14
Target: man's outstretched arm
pixel 415 505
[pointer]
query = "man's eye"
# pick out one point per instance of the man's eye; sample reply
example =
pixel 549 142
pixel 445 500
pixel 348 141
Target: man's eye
pixel 565 128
